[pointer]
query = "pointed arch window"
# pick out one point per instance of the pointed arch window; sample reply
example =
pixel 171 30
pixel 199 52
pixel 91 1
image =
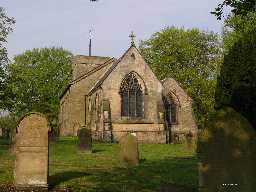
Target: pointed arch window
pixel 171 111
pixel 131 97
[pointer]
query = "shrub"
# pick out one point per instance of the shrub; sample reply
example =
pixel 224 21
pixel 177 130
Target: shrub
pixel 227 152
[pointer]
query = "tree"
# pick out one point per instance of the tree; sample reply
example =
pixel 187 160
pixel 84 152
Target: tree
pixel 189 56
pixel 236 84
pixel 238 7
pixel 236 27
pixel 7 125
pixel 6 24
pixel 35 80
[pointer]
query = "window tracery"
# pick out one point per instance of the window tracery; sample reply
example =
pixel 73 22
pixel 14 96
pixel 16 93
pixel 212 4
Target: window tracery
pixel 131 97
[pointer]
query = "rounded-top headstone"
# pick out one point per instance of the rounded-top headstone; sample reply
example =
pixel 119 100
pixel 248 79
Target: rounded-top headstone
pixel 129 152
pixel 227 153
pixel 31 149
pixel 84 139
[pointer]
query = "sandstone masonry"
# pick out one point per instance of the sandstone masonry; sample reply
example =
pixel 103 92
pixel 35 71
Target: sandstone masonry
pixel 114 97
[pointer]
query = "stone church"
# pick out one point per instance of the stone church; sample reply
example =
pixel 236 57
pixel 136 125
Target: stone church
pixel 113 97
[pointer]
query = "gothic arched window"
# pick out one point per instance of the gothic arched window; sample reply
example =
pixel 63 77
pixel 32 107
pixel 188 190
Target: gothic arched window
pixel 171 111
pixel 131 97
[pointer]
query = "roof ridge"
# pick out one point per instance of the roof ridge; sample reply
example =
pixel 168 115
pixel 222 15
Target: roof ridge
pixel 92 71
pixel 106 74
pixel 86 75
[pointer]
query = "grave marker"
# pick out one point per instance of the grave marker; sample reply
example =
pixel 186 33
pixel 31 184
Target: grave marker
pixel 84 139
pixel 31 149
pixel 129 152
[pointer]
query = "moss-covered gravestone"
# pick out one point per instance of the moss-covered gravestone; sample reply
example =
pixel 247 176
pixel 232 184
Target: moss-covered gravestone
pixel 227 153
pixel 84 139
pixel 129 152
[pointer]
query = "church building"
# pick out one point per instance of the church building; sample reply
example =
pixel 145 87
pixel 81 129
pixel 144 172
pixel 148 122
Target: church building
pixel 113 97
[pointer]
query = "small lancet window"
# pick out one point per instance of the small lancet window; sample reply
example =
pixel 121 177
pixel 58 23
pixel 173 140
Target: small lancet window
pixel 131 97
pixel 171 111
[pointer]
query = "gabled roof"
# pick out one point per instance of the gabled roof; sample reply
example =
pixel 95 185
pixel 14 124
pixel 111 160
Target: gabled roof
pixel 93 70
pixel 83 64
pixel 108 72
pixel 112 60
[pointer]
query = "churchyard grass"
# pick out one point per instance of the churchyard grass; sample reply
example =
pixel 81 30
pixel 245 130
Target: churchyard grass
pixel 6 161
pixel 101 170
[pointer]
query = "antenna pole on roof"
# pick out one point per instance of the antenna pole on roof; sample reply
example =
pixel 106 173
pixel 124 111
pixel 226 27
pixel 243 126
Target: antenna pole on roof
pixel 90 43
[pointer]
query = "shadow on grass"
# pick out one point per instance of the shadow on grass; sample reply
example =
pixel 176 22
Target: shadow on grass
pixel 167 175
pixel 4 141
pixel 142 160
pixel 58 178
pixel 97 150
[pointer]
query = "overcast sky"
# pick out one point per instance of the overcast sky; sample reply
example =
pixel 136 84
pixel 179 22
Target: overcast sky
pixel 66 23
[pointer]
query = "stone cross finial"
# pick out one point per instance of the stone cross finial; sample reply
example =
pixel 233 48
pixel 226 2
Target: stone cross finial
pixel 132 36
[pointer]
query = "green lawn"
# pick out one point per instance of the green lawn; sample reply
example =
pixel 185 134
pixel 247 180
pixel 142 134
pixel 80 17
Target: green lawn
pixel 160 165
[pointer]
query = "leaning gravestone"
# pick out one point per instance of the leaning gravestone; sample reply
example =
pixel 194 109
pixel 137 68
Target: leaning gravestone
pixel 31 149
pixel 129 152
pixel 227 153
pixel 84 139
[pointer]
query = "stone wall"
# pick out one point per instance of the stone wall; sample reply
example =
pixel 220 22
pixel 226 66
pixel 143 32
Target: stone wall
pixel 146 133
pixel 133 62
pixel 150 128
pixel 185 118
pixel 95 101
pixel 72 104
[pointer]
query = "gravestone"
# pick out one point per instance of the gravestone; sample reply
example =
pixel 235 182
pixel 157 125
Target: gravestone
pixel 31 150
pixel 227 153
pixel 84 139
pixel 190 141
pixel 129 152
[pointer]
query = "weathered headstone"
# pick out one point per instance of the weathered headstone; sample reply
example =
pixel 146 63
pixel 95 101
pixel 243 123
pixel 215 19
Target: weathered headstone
pixel 227 153
pixel 31 149
pixel 190 141
pixel 84 139
pixel 129 152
